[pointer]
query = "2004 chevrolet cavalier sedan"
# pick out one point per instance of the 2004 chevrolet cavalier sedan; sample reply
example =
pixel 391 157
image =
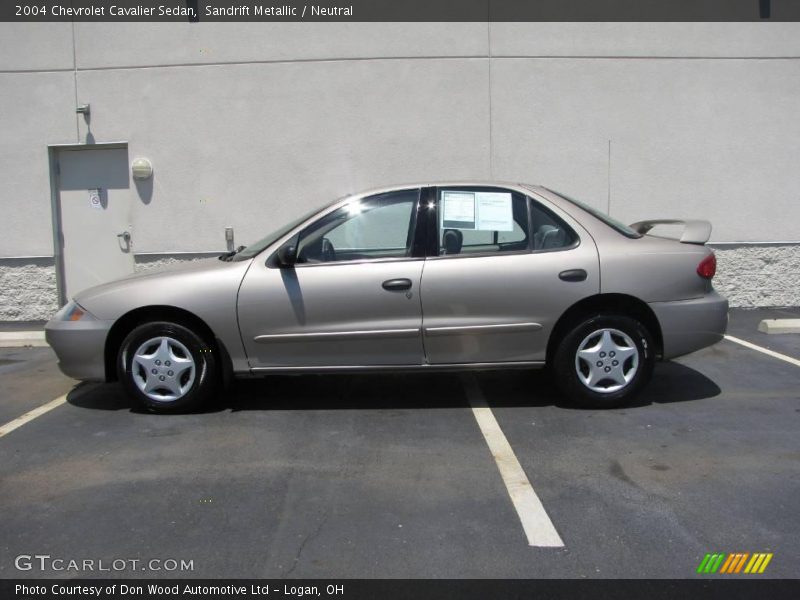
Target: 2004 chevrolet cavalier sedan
pixel 454 276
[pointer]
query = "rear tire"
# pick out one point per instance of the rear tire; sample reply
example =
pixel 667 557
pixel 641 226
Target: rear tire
pixel 166 367
pixel 604 361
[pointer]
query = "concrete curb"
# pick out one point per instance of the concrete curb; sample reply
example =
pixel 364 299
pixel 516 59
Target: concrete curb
pixel 21 339
pixel 779 326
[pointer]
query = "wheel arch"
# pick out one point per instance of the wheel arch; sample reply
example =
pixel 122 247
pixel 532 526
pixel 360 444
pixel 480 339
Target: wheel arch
pixel 618 304
pixel 138 316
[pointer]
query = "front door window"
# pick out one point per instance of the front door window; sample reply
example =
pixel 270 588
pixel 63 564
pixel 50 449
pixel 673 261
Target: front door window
pixel 377 227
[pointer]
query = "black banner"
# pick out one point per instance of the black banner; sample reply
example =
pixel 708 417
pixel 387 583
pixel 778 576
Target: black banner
pixel 390 589
pixel 399 10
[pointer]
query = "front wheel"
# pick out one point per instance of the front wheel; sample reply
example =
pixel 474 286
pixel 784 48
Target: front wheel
pixel 604 361
pixel 166 367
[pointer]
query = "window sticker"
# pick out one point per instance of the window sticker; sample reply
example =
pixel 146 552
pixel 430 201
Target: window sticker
pixel 479 211
pixel 458 210
pixel 494 211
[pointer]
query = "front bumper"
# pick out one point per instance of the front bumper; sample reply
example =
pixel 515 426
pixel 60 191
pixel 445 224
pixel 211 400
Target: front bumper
pixel 80 347
pixel 689 325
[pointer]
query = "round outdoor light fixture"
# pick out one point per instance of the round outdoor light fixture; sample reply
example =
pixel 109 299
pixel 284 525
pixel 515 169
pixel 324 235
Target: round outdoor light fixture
pixel 142 169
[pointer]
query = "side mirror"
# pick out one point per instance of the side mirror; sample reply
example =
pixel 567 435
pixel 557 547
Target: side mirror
pixel 287 255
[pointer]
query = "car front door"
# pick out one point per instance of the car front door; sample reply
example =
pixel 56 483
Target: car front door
pixel 502 271
pixel 350 300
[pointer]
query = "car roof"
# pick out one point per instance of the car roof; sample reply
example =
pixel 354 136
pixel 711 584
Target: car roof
pixel 446 183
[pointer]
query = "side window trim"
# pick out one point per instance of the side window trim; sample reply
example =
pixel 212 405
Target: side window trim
pixel 425 225
pixel 356 261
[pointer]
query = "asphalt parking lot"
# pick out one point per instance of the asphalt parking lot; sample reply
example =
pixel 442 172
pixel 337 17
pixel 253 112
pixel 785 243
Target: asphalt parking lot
pixel 391 476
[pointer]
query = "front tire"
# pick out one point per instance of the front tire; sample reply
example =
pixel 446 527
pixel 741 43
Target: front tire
pixel 167 367
pixel 604 361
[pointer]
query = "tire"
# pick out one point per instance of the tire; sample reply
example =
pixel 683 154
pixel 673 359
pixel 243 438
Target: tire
pixel 166 352
pixel 604 361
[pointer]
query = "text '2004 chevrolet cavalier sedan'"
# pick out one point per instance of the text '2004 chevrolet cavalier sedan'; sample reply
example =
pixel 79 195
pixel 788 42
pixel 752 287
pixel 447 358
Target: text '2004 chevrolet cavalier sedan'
pixel 425 277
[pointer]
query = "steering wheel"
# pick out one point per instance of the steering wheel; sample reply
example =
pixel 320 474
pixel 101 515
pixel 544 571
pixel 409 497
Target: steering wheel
pixel 328 251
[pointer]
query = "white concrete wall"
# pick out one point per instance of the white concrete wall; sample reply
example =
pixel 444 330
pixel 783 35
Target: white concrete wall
pixel 251 145
pixel 753 276
pixel 27 289
pixel 688 138
pixel 250 124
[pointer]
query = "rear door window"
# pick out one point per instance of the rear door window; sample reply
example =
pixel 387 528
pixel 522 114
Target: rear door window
pixel 481 220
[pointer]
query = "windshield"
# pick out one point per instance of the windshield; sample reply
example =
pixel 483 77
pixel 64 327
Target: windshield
pixel 269 239
pixel 610 221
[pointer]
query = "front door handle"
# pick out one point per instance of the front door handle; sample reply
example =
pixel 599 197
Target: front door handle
pixel 572 275
pixel 395 285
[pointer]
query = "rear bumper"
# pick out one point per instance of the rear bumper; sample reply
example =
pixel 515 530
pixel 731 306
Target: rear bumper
pixel 689 325
pixel 80 347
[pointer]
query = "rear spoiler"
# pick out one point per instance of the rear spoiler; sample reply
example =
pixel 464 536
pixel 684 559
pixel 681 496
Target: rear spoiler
pixel 694 232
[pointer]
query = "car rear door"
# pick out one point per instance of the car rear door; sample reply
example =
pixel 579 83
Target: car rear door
pixel 352 299
pixel 500 272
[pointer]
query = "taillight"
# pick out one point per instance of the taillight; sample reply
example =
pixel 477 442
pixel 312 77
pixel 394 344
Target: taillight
pixel 707 267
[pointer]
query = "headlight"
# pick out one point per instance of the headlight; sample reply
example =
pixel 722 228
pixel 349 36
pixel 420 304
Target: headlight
pixel 72 311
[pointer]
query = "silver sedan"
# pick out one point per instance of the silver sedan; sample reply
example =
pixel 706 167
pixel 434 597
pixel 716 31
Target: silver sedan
pixel 424 277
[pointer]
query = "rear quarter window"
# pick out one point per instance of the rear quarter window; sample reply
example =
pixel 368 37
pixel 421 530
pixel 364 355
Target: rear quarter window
pixel 618 226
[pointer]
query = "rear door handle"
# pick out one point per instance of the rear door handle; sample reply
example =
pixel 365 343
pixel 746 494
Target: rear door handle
pixel 394 285
pixel 572 275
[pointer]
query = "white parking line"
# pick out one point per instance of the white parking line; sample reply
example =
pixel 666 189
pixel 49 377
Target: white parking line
pixel 31 415
pixel 537 525
pixel 767 351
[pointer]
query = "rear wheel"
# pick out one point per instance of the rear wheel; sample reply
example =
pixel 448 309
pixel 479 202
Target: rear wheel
pixel 166 367
pixel 604 361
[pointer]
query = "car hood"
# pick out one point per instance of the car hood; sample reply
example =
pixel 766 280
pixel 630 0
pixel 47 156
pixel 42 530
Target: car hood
pixel 171 285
